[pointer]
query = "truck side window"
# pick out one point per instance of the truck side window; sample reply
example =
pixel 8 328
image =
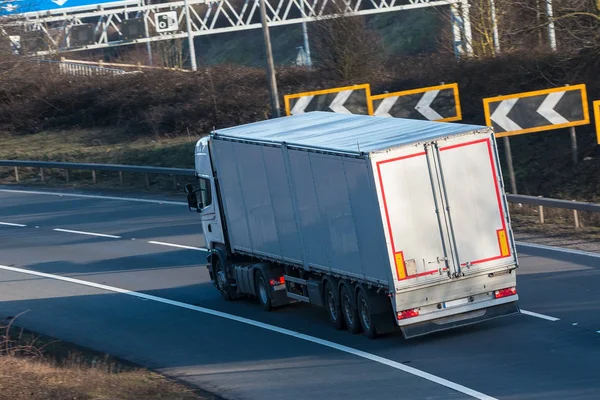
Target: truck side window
pixel 205 194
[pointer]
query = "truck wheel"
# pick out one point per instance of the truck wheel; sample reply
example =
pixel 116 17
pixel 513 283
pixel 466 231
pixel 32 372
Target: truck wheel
pixel 365 315
pixel 222 281
pixel 262 291
pixel 332 304
pixel 349 311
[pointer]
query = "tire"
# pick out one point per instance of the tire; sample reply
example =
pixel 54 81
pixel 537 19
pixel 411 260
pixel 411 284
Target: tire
pixel 349 311
pixel 365 315
pixel 222 282
pixel 262 291
pixel 332 305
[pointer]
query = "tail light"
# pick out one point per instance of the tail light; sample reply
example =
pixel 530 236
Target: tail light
pixel 408 313
pixel 274 282
pixel 511 291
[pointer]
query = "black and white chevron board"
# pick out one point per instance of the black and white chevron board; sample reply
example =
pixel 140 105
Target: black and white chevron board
pixel 537 111
pixel 434 103
pixel 345 100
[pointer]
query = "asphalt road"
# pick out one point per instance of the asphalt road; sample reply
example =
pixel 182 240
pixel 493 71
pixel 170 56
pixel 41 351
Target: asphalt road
pixel 554 355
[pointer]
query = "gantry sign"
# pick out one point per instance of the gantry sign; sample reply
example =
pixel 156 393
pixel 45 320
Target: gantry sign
pixel 128 22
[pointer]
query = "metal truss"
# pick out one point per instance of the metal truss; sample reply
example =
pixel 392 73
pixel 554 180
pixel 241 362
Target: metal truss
pixel 208 17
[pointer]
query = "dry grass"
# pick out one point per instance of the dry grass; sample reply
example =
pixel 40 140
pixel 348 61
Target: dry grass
pixel 34 367
pixel 36 380
pixel 97 146
pixel 108 146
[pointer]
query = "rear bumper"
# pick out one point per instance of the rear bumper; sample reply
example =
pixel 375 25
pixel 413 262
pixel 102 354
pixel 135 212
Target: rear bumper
pixel 460 319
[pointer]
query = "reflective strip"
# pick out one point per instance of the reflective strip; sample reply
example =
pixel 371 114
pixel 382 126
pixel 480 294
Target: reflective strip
pixel 400 267
pixel 503 241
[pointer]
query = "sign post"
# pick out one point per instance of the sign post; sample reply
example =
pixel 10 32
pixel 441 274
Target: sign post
pixel 509 162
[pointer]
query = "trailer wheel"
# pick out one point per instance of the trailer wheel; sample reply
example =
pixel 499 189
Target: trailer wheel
pixel 262 291
pixel 332 304
pixel 365 315
pixel 349 311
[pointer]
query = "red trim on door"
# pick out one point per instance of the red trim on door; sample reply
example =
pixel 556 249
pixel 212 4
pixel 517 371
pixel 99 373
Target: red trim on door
pixel 454 146
pixel 400 158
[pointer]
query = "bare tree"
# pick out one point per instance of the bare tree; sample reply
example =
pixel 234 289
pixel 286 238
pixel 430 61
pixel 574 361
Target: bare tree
pixel 345 48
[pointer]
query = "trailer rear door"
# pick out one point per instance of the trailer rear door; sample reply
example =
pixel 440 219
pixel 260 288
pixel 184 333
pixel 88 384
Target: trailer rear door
pixel 416 234
pixel 442 210
pixel 469 176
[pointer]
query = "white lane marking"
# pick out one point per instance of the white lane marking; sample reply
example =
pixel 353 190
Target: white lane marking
pixel 542 316
pixel 87 233
pixel 560 249
pixel 11 224
pixel 177 245
pixel 349 350
pixel 89 196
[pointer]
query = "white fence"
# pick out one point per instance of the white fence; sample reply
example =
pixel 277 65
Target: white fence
pixel 80 69
pixel 68 68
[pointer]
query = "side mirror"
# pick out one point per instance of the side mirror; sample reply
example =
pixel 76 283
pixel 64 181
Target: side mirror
pixel 192 200
pixel 189 188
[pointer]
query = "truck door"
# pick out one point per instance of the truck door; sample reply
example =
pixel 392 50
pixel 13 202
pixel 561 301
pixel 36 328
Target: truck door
pixel 475 213
pixel 210 213
pixel 416 229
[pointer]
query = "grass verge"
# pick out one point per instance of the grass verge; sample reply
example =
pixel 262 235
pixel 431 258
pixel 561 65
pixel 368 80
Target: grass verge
pixel 98 146
pixel 38 367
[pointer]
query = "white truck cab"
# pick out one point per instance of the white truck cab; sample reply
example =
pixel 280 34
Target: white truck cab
pixel 207 202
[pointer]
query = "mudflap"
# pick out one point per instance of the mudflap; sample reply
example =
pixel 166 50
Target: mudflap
pixel 455 321
pixel 279 297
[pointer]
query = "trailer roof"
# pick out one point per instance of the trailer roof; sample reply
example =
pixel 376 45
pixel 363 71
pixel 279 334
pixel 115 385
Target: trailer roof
pixel 346 133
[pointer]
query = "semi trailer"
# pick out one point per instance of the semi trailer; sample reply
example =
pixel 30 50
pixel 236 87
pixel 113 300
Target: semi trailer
pixel 386 223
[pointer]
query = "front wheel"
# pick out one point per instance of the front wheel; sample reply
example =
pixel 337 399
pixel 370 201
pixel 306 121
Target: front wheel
pixel 221 281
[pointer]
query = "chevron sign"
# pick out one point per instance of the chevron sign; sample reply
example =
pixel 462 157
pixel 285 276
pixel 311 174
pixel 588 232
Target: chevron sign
pixel 344 100
pixel 434 103
pixel 537 111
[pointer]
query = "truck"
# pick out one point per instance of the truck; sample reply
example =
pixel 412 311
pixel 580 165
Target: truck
pixel 386 223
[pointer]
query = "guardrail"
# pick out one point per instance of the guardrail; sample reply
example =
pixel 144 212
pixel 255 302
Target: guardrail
pixel 174 172
pixel 541 202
